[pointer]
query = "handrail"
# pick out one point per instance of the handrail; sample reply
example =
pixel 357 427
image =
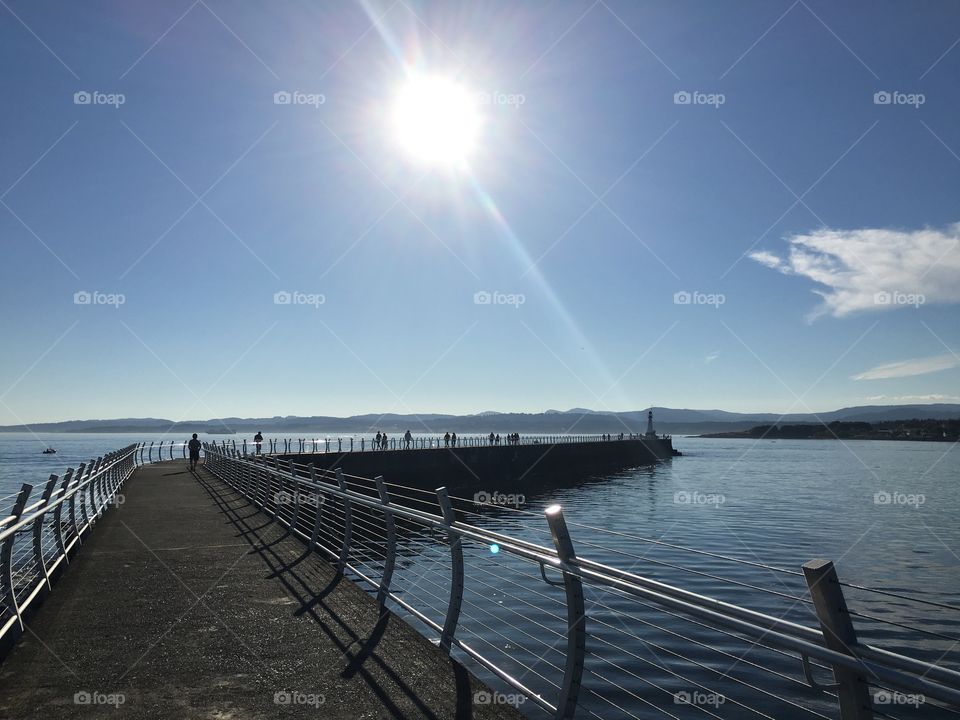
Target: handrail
pixel 875 665
pixel 30 565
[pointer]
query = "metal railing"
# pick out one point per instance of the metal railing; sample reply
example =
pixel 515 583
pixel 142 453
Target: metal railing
pixel 287 446
pixel 41 530
pixel 365 525
pixel 173 447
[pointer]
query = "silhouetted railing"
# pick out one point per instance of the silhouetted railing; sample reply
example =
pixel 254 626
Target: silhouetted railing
pixel 287 446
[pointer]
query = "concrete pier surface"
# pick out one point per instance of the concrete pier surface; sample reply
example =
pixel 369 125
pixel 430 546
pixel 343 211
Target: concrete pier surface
pixel 186 602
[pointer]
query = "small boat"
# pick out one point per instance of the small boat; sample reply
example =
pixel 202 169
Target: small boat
pixel 49 451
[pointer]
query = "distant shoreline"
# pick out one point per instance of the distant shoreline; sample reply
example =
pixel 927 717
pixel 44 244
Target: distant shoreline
pixel 748 436
pixel 902 430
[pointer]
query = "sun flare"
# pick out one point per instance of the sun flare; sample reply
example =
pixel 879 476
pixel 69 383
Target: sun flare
pixel 435 120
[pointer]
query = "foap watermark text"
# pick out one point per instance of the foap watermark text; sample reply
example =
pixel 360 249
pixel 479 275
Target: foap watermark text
pixel 95 297
pixel 295 297
pixel 484 297
pixel 695 297
pixel 498 498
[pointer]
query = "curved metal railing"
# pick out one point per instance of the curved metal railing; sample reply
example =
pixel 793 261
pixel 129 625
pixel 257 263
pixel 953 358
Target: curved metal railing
pixel 365 526
pixel 41 529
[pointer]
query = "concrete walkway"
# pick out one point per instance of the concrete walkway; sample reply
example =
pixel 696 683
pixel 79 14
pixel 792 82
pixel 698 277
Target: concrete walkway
pixel 186 602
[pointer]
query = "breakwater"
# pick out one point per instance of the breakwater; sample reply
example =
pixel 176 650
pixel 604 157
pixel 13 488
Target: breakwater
pixel 509 468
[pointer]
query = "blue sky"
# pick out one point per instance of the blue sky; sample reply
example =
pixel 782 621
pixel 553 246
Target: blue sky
pixel 809 221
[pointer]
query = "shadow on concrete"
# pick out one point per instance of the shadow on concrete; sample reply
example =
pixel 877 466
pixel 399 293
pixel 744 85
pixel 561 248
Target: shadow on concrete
pixel 311 581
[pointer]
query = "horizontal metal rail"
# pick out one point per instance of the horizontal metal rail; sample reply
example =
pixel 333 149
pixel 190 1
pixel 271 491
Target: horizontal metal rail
pixel 876 666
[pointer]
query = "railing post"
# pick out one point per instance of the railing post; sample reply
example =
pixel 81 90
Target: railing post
pixel 6 554
pixel 317 511
pixel 263 476
pixel 853 692
pixel 73 502
pixel 38 531
pixel 296 494
pixel 456 572
pixel 347 525
pixel 276 473
pixel 390 559
pixel 243 481
pixel 58 517
pixel 102 486
pixel 93 488
pixel 576 616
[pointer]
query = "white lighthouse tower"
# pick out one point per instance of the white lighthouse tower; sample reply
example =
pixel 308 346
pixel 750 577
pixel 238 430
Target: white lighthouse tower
pixel 650 432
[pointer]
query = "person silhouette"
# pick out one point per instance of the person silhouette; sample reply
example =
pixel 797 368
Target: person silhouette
pixel 258 439
pixel 194 446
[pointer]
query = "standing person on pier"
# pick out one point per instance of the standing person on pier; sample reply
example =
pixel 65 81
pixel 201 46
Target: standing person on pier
pixel 446 440
pixel 376 442
pixel 453 439
pixel 258 439
pixel 407 439
pixel 194 447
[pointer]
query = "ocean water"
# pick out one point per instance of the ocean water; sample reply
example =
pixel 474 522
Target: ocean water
pixel 884 512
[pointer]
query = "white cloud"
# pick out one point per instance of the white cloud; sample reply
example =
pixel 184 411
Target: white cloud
pixel 769 259
pixel 909 368
pixel 856 267
pixel 711 357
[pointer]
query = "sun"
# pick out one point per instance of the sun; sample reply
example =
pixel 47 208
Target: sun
pixel 435 121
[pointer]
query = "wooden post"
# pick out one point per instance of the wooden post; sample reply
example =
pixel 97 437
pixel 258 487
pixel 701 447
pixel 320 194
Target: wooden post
pixel 853 693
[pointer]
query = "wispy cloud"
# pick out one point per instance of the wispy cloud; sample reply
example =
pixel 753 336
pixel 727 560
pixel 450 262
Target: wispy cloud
pixel 909 368
pixel 873 268
pixel 711 357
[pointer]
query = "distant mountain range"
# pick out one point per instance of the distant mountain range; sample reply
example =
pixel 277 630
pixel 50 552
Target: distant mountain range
pixel 666 420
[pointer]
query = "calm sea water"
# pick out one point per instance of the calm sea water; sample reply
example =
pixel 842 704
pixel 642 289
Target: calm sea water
pixel 884 512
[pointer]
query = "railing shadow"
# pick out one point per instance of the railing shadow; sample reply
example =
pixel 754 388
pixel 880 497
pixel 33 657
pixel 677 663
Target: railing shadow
pixel 309 579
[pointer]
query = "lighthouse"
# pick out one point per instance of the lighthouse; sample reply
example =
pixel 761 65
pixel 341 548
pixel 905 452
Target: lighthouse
pixel 650 432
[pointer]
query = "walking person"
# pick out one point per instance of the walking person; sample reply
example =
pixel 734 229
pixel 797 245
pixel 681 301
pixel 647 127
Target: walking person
pixel 376 445
pixel 194 447
pixel 407 439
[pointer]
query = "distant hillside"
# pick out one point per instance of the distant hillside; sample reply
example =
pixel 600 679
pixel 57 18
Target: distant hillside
pixel 915 429
pixel 666 420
